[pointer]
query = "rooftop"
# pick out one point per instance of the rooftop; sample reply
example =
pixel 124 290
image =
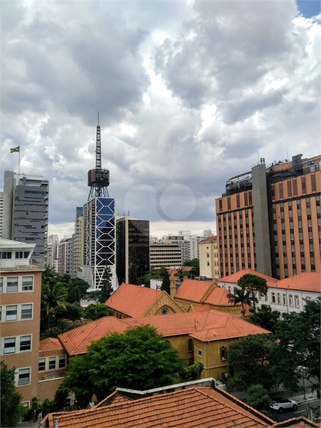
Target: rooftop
pixel 234 277
pixel 305 281
pixel 50 344
pixel 193 290
pixel 132 300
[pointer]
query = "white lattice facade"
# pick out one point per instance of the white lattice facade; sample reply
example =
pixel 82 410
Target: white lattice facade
pixel 99 240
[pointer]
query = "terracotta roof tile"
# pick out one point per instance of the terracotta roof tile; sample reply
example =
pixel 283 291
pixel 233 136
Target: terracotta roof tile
pixel 237 275
pixel 132 300
pixel 77 340
pixel 209 239
pixel 218 296
pixel 192 407
pixel 193 290
pixel 199 324
pixel 49 344
pixel 306 281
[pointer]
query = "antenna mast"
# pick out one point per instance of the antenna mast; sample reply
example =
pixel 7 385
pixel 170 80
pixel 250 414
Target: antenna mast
pixel 98 178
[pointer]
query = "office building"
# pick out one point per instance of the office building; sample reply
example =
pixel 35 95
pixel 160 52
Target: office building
pixel 25 211
pixel 52 252
pixel 65 257
pixel 132 249
pixel 1 212
pixel 165 255
pixel 78 244
pixel 99 225
pixel 269 220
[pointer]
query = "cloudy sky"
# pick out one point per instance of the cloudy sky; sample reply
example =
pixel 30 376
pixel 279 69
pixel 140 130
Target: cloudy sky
pixel 189 94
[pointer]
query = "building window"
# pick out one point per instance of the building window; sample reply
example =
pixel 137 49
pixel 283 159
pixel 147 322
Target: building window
pixel 24 376
pixel 5 255
pixel 313 183
pixel 12 284
pixel 228 203
pixel 296 300
pixel 290 300
pixel 27 283
pixel 208 263
pixel 9 346
pixel 1 284
pixel 26 311
pixel 190 345
pixel 25 343
pixel 273 297
pixel 238 201
pixel 41 364
pixel 245 199
pixel 11 313
pixel 284 299
pixel 164 311
pixel 281 190
pixel 304 189
pixel 62 361
pixel 199 353
pixel 289 188
pixel 223 353
pixel 52 363
pixel 279 298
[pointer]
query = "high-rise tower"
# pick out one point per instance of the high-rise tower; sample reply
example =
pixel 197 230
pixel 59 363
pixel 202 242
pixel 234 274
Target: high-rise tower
pixel 99 225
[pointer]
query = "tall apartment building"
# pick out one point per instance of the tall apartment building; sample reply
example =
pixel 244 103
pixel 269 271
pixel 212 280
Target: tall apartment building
pixel 25 210
pixel 1 212
pixel 165 255
pixel 78 243
pixel 52 252
pixel 194 249
pixel 269 219
pixel 65 257
pixel 20 288
pixel 132 248
pixel 208 257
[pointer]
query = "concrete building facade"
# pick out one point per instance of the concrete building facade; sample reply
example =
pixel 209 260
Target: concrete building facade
pixel 208 258
pixel 78 244
pixel 65 257
pixel 25 210
pixel 269 219
pixel 165 255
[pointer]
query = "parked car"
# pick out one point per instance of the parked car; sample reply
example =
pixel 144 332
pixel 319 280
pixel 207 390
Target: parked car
pixel 280 404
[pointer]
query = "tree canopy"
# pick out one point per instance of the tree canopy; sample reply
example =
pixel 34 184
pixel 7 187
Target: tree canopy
pixel 296 354
pixel 12 409
pixel 195 264
pixel 166 284
pixel 140 359
pixel 254 285
pixel 107 289
pixel 266 318
pixel 95 311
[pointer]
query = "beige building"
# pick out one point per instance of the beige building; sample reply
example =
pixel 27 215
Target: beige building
pixel 165 255
pixel 20 288
pixel 208 257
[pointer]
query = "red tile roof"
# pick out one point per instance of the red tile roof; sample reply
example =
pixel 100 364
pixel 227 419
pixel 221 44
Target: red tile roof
pixel 237 275
pixel 200 324
pixel 209 239
pixel 132 300
pixel 49 344
pixel 77 340
pixel 191 407
pixel 193 290
pixel 306 281
pixel 218 296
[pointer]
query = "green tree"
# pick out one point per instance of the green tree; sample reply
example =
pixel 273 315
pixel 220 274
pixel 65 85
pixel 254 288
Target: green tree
pixel 257 397
pixel 166 281
pixel 71 311
pixel 12 409
pixel 296 352
pixel 248 362
pixel 95 311
pixel 255 285
pixel 240 295
pixel 53 296
pixel 140 359
pixel 266 318
pixel 76 289
pixel 195 264
pixel 106 289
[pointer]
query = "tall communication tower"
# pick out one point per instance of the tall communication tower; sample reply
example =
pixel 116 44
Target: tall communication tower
pixel 98 178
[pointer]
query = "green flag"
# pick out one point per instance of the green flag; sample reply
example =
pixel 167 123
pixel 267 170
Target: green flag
pixel 15 149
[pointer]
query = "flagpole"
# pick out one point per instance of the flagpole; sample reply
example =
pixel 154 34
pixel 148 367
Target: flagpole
pixel 19 163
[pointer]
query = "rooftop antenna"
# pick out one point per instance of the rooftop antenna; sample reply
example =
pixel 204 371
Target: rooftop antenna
pixel 98 178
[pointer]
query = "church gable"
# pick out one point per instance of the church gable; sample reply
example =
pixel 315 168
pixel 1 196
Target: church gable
pixel 163 305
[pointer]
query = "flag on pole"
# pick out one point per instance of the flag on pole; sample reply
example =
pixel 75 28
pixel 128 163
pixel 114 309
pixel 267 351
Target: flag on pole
pixel 15 149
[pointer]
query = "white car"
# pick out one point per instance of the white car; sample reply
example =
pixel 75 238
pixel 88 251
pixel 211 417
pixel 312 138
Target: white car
pixel 280 404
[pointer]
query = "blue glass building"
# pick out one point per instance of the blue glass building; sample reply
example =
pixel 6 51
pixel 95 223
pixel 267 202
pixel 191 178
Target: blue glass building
pixel 99 240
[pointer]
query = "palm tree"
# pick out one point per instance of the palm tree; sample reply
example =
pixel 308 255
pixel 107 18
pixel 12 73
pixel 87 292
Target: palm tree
pixel 240 295
pixel 53 296
pixel 255 285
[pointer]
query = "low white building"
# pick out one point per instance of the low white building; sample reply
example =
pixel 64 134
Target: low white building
pixel 286 295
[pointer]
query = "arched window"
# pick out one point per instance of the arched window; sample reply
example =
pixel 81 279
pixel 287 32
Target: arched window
pixel 164 311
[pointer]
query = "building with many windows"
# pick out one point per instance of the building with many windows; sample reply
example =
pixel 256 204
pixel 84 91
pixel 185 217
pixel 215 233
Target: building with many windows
pixel 132 248
pixel 269 219
pixel 78 243
pixel 25 210
pixel 165 255
pixel 65 257
pixel 20 288
pixel 208 257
